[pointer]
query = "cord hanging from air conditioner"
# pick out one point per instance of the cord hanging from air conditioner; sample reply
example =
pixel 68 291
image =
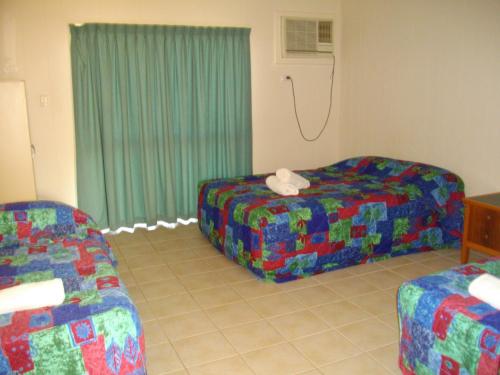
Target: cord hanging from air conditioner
pixel 329 107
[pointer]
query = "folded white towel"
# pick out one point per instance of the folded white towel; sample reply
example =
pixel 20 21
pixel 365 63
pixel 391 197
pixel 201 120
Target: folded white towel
pixel 280 187
pixel 486 288
pixel 31 296
pixel 289 177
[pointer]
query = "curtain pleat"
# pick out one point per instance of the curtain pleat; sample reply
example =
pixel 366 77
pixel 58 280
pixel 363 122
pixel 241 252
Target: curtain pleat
pixel 157 109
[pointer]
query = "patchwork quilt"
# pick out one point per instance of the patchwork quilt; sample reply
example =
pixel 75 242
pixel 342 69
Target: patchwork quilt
pixel 443 329
pixel 356 211
pixel 97 329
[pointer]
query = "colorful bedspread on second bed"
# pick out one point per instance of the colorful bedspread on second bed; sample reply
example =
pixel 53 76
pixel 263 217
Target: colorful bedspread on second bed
pixel 357 211
pixel 445 330
pixel 97 329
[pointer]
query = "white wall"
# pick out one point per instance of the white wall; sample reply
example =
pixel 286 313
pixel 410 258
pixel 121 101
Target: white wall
pixel 15 151
pixel 35 48
pixel 421 81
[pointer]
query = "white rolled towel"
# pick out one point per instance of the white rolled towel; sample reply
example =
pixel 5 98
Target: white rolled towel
pixel 289 177
pixel 31 296
pixel 279 187
pixel 486 288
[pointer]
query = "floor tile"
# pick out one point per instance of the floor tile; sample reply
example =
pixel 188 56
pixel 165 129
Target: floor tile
pixel 153 333
pixel 362 364
pixel 144 261
pixel 206 251
pixel 412 271
pixel 276 304
pixel 173 305
pixel 351 286
pixel 180 243
pixel 178 372
pixel 125 239
pixel 327 277
pixel 422 256
pixel 161 234
pixel 127 278
pixel 376 303
pixel 453 253
pixel 391 319
pixel 186 325
pixel 298 284
pixel 228 366
pixel 219 263
pixel 383 279
pixel 232 314
pixel 177 256
pixel 236 275
pixel 369 334
pixel 122 267
pixel 387 356
pixel 134 251
pixel 298 324
pixel 202 281
pixel 144 311
pixel 255 288
pixel 362 269
pixel 136 294
pixel 216 296
pixel 282 359
pixel 161 289
pixel 252 336
pixel 152 273
pixel 188 230
pixel 200 266
pixel 326 347
pixel 315 295
pixel 204 348
pixel 118 255
pixel 395 262
pixel 187 268
pixel 340 313
pixel 440 264
pixel 161 359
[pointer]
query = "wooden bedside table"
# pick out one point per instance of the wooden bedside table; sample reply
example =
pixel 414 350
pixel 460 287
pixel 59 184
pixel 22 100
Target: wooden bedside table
pixel 481 225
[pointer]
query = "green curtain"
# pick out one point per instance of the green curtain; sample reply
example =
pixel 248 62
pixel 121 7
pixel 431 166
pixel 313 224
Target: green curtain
pixel 157 109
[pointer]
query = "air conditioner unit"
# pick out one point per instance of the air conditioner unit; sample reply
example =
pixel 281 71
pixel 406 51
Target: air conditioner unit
pixel 305 37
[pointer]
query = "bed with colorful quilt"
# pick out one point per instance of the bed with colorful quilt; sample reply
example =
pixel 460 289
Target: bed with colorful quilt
pixel 360 210
pixel 97 328
pixel 445 330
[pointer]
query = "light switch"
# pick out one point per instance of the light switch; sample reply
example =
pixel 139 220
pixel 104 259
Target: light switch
pixel 44 100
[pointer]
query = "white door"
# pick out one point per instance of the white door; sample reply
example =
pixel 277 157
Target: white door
pixel 17 182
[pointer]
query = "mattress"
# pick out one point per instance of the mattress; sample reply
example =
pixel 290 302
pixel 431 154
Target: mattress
pixel 360 210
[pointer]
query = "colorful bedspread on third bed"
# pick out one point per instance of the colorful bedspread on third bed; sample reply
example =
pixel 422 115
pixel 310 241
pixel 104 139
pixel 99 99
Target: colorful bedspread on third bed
pixel 356 211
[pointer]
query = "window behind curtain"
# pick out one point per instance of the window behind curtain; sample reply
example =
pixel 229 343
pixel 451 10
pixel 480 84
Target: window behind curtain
pixel 157 109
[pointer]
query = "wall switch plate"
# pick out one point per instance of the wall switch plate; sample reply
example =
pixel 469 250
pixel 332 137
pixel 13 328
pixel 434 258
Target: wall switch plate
pixel 44 100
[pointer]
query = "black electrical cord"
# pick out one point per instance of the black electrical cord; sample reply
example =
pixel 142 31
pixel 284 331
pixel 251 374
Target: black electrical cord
pixel 329 108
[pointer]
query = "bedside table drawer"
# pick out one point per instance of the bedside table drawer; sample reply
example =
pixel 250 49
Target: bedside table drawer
pixel 484 228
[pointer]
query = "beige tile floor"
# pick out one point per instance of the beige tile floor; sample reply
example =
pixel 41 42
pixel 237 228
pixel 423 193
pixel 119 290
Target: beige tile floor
pixel 203 314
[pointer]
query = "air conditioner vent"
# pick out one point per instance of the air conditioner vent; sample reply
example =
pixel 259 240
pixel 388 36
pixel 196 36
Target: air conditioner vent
pixel 301 35
pixel 325 31
pixel 306 37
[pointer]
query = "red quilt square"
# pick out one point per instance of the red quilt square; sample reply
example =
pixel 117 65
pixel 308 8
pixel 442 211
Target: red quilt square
pixel 82 331
pixel 107 282
pixel 20 216
pixel 23 230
